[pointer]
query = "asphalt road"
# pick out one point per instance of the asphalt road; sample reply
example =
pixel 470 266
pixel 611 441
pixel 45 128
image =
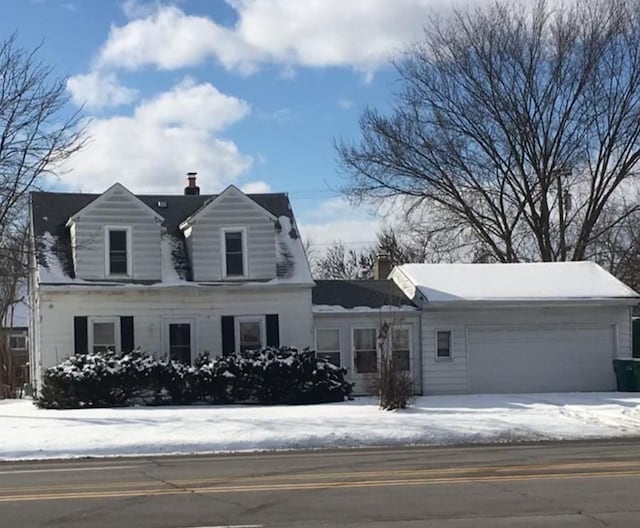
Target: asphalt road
pixel 544 485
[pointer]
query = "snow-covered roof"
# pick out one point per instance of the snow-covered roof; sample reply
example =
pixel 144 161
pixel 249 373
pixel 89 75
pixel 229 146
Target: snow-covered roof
pixel 50 212
pixel 543 281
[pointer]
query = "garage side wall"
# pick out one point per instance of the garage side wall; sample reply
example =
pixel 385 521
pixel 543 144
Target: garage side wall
pixel 452 376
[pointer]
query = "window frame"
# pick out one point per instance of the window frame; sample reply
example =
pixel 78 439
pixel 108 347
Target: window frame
pixel 116 332
pixel 409 329
pixel 223 245
pixel 338 351
pixel 250 319
pixel 353 349
pixel 450 356
pixel 107 250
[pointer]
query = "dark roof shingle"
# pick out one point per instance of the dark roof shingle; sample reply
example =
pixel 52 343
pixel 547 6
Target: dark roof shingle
pixel 355 293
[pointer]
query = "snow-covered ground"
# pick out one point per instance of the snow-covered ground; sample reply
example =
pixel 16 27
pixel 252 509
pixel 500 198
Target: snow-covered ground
pixel 27 432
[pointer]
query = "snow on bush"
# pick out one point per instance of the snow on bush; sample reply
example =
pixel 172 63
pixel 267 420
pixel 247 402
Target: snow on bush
pixel 268 376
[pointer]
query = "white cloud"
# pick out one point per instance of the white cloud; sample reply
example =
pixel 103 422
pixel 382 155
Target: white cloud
pixel 345 103
pixel 198 105
pixel 363 35
pixel 170 39
pixel 256 187
pixel 97 90
pixel 166 136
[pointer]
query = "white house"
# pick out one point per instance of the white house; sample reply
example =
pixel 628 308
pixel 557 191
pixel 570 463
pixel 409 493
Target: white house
pixel 175 275
pixel 179 275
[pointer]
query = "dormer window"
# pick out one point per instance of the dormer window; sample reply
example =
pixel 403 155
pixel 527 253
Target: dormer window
pixel 234 249
pixel 118 251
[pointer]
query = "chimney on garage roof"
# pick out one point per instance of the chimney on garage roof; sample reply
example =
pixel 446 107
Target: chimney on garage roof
pixel 382 266
pixel 191 189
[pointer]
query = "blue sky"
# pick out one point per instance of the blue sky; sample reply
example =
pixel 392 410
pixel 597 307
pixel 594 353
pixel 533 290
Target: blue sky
pixel 249 92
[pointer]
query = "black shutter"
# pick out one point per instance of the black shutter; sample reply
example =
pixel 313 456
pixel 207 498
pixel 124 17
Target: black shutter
pixel 273 330
pixel 80 338
pixel 126 333
pixel 228 335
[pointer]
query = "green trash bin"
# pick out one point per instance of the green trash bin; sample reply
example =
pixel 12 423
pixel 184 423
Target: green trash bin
pixel 627 375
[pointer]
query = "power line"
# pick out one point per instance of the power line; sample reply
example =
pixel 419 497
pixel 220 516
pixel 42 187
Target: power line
pixel 351 243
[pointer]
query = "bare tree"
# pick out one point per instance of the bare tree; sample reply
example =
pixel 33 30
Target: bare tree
pixel 399 248
pixel 516 129
pixel 37 133
pixel 340 263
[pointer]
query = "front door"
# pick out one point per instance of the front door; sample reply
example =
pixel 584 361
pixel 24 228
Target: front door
pixel 180 342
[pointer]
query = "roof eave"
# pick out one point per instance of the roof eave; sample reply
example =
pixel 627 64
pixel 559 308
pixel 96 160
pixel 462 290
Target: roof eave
pixel 553 301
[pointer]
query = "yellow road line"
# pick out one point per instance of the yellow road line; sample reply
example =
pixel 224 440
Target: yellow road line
pixel 312 486
pixel 335 475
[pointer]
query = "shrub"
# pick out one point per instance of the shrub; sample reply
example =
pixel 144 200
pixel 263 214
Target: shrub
pixel 270 376
pixel 392 386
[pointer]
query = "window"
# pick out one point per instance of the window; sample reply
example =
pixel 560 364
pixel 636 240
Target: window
pixel 18 342
pixel 328 344
pixel 234 252
pixel 250 333
pixel 118 251
pixel 443 344
pixel 180 342
pixel 364 348
pixel 103 334
pixel 401 348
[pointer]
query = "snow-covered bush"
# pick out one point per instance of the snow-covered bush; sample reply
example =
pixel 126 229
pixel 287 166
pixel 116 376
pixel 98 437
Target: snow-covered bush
pixel 271 375
pixel 274 375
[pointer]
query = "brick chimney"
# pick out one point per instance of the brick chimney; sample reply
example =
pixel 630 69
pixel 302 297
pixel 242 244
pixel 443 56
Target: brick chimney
pixel 382 266
pixel 191 189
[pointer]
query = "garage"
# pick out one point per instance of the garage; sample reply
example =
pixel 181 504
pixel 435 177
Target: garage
pixel 540 358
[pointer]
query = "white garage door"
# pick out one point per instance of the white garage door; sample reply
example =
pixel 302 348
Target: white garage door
pixel 541 359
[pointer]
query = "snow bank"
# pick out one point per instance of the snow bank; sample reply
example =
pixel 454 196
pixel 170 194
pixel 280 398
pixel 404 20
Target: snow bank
pixel 31 433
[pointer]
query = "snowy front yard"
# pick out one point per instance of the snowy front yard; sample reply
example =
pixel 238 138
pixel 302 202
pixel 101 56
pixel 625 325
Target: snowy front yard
pixel 27 432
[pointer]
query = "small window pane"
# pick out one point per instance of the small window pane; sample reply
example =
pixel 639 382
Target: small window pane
pixel 104 333
pixel 366 361
pixel 250 335
pixel 234 264
pixel 234 242
pixel 444 344
pixel 331 357
pixel 364 338
pixel 118 240
pixel 328 339
pixel 401 360
pixel 400 338
pixel 104 337
pixel 328 344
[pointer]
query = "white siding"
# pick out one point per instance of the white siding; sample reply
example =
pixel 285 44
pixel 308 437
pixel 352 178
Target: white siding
pixel 451 376
pixel 345 322
pixel 150 307
pixel 232 209
pixel 117 208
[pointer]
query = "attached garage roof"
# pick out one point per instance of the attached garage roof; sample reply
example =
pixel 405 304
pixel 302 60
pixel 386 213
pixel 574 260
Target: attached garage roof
pixel 513 282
